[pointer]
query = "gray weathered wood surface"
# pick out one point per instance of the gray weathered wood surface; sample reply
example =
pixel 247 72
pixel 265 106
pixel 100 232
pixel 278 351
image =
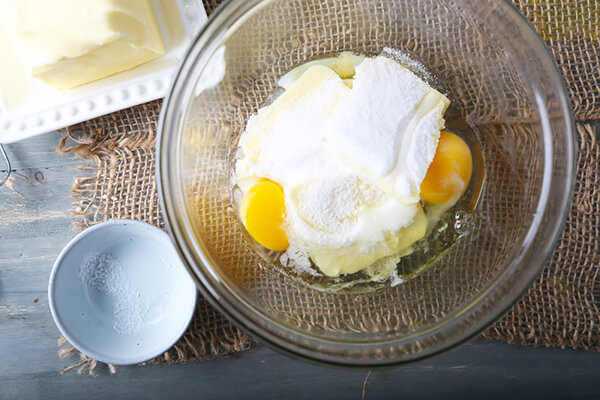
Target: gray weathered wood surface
pixel 35 224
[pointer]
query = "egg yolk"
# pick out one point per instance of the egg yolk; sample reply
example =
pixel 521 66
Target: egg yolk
pixel 450 171
pixel 262 212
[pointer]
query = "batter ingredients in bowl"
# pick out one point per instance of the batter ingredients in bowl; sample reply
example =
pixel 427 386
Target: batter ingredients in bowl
pixel 349 169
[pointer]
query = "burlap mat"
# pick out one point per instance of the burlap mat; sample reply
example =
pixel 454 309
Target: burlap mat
pixel 559 310
pixel 571 29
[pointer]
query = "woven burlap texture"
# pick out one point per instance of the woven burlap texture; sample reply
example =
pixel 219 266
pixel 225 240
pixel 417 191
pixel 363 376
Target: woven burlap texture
pixel 559 310
pixel 571 30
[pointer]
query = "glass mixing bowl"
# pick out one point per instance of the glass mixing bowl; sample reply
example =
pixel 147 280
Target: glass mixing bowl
pixel 502 82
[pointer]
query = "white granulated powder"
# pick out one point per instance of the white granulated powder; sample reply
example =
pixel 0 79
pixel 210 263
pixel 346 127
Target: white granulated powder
pixel 104 273
pixel 367 125
pixel 298 258
pixel 331 207
pixel 411 64
pixel 388 126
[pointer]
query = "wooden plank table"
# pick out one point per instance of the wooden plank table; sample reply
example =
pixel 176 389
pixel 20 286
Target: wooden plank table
pixel 35 224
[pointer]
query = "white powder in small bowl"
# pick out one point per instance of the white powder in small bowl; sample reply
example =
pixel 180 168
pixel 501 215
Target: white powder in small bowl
pixel 104 273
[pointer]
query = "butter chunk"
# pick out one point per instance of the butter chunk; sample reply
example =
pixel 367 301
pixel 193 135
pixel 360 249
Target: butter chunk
pixel 343 65
pixel 70 43
pixel 282 142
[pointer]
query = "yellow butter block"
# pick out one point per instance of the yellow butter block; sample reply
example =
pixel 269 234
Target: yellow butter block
pixel 70 43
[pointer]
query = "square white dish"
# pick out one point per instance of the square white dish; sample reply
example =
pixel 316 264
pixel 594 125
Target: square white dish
pixel 30 107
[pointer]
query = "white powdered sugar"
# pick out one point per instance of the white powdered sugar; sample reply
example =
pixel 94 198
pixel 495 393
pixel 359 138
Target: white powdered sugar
pixel 367 126
pixel 411 64
pixel 331 205
pixel 298 258
pixel 388 126
pixel 103 272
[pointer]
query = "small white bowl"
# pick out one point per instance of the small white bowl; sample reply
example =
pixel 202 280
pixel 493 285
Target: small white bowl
pixel 119 293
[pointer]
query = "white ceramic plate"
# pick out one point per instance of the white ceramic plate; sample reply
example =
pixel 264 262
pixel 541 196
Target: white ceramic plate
pixel 119 293
pixel 29 107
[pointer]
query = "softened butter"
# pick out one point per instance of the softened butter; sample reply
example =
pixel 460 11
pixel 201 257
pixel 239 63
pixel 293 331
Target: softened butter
pixel 70 43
